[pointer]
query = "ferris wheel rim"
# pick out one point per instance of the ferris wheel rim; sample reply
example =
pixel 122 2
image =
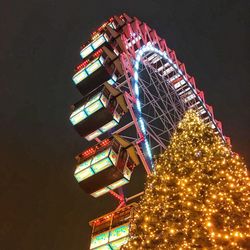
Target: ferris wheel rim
pixel 138 59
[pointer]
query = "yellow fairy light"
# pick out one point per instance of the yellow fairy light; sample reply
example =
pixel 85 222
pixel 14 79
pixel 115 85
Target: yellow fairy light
pixel 236 234
pixel 209 224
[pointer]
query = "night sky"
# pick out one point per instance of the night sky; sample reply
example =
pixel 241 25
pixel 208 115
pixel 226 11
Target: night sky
pixel 41 205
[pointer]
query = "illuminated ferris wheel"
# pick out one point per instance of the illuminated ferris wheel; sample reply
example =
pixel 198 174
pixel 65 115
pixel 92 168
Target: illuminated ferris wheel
pixel 135 91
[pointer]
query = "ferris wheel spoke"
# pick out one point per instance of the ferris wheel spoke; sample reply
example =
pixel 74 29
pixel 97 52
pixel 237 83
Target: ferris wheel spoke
pixel 155 105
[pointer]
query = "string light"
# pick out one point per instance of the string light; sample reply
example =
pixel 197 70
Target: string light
pixel 197 198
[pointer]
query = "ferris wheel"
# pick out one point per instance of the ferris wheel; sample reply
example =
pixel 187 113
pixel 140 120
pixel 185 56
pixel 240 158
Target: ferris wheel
pixel 135 91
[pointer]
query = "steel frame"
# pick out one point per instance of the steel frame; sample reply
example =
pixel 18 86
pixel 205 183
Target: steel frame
pixel 156 87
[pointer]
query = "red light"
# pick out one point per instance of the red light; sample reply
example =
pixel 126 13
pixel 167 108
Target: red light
pixel 105 142
pixel 91 151
pixel 103 26
pixel 97 53
pixel 88 152
pixel 82 65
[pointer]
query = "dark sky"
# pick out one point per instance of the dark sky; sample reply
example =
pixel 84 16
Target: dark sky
pixel 41 205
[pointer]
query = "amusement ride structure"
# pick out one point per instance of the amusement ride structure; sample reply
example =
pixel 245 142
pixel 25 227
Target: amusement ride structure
pixel 135 91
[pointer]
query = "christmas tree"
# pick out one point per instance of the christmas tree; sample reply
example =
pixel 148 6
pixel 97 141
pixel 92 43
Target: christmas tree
pixel 198 196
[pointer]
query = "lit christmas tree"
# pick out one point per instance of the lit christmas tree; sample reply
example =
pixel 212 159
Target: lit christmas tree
pixel 198 197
